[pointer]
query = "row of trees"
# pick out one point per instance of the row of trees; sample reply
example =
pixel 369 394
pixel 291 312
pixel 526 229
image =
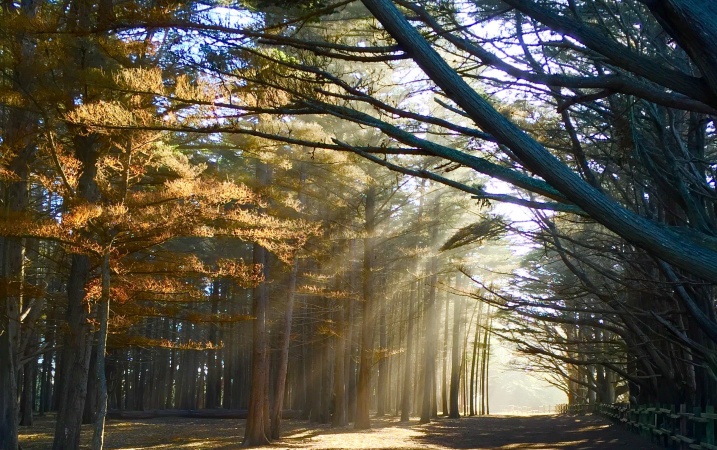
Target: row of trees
pixel 139 143
pixel 601 115
pixel 151 262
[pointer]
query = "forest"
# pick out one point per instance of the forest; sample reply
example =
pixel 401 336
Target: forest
pixel 331 209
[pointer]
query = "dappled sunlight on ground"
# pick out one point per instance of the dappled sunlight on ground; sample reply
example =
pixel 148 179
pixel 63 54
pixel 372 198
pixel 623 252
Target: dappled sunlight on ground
pixel 541 432
pixel 384 435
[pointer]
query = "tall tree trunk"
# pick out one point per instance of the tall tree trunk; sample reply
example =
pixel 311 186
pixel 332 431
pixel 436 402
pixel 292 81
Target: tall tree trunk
pixel 408 368
pixel 474 364
pixel 18 136
pixel 363 394
pixel 257 425
pixel 214 387
pixel 75 359
pixel 431 328
pixel 9 330
pixel 305 370
pixel 11 303
pixel 27 399
pixel 339 418
pixel 484 365
pixel 382 379
pixel 326 375
pixel 89 414
pixel 351 344
pixel 282 370
pixel 484 348
pixel 444 365
pixel 77 345
pixel 456 357
pixel 487 366
pixel 8 402
pixel 45 376
pixel 103 316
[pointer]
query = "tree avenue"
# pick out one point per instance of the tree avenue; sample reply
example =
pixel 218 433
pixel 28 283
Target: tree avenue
pixel 195 216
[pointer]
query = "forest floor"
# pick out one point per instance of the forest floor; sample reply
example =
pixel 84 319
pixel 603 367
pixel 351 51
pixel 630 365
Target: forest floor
pixel 539 432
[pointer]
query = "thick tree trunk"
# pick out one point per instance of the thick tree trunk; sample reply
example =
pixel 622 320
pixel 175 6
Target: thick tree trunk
pixel 75 359
pixel 77 343
pixel 257 424
pixel 18 134
pixel 8 402
pixel 255 427
pixel 10 304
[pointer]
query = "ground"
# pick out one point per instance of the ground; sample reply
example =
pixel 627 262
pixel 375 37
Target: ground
pixel 540 432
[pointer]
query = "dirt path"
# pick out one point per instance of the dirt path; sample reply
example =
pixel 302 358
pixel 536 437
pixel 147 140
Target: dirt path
pixel 483 433
pixel 480 433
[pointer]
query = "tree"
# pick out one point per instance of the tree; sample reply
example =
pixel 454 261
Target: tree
pixel 622 133
pixel 664 243
pixel 563 184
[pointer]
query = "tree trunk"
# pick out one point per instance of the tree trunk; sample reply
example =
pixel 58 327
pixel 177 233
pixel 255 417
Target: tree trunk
pixel 282 370
pixel 382 383
pixel 352 340
pixel 214 387
pixel 104 311
pixel 339 418
pixel 456 357
pixel 19 133
pixel 408 368
pixel 363 394
pixel 8 384
pixel 444 365
pixel 75 359
pixel 431 326
pixel 77 345
pixel 487 366
pixel 257 425
pixel 474 363
pixel 89 414
pixel 10 304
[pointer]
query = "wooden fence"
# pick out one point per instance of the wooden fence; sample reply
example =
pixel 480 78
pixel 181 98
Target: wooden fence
pixel 675 427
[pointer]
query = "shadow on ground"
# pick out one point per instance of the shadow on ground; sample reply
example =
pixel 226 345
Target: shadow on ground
pixel 480 433
pixel 531 432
